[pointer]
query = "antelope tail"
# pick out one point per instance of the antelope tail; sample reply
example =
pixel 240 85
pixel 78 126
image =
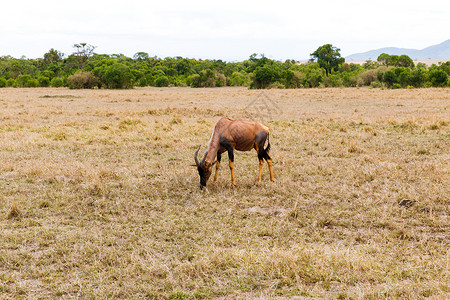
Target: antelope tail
pixel 268 144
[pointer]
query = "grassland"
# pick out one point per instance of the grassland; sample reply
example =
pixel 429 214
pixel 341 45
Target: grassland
pixel 97 198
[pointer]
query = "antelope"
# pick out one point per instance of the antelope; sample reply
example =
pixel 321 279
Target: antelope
pixel 227 135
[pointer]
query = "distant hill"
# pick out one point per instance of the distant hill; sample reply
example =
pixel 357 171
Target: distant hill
pixel 440 51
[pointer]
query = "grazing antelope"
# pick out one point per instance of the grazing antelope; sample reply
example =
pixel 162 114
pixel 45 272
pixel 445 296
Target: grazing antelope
pixel 242 135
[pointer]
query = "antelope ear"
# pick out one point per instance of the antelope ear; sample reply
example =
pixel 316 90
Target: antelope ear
pixel 193 165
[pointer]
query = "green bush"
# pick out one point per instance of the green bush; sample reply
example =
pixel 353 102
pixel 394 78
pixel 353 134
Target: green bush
pixel 162 81
pixel 195 81
pixel 118 72
pixel 57 82
pixel 82 80
pixel 438 78
pixel 43 81
pixel 22 80
pixel 10 82
pixel 2 82
pixel 265 76
pixel 117 76
pixel 333 80
pixel 31 83
pixel 314 75
pixel 419 76
pixel 367 77
pixel 376 84
pixel 221 80
pixel 143 81
pixel 390 78
pixel 349 79
pixel 238 79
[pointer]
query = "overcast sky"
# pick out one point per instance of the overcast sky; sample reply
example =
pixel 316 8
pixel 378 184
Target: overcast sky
pixel 230 30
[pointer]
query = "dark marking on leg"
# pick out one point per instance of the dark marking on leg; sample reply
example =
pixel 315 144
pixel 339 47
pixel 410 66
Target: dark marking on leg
pixel 260 140
pixel 224 142
pixel 219 157
pixel 263 154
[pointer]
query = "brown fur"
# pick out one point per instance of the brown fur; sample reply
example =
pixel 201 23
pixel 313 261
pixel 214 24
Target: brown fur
pixel 228 135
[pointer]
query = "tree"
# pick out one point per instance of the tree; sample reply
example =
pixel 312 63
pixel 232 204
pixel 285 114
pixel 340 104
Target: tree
pixel 141 56
pixel 395 60
pixel 53 56
pixel 328 58
pixel 383 58
pixel 438 78
pixel 404 76
pixel 390 78
pixel 82 80
pixel 264 76
pixel 388 60
pixel 83 51
pixel 419 75
pixel 405 61
pixel 117 76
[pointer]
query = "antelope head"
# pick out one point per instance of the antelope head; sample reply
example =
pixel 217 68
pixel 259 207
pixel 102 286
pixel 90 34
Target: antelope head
pixel 204 168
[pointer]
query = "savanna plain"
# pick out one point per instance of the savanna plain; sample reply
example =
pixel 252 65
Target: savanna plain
pixel 98 198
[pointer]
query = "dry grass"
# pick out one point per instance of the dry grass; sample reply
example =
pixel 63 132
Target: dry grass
pixel 97 199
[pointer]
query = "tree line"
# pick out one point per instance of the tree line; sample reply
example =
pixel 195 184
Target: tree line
pixel 85 69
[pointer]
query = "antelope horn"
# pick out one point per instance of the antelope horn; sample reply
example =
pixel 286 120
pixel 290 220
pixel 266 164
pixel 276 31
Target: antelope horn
pixel 204 157
pixel 195 156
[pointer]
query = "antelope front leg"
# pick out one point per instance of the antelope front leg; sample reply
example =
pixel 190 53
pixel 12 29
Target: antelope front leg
pixel 232 172
pixel 217 171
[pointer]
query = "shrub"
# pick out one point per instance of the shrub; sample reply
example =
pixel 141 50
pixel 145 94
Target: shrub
pixel 82 80
pixel 2 82
pixel 43 81
pixel 404 75
pixel 390 78
pixel 195 81
pixel 264 76
pixel 22 80
pixel 348 79
pixel 367 77
pixel 143 81
pixel 438 78
pixel 207 78
pixel 376 84
pixel 162 81
pixel 298 79
pixel 32 83
pixel 333 80
pixel 117 76
pixel 57 82
pixel 238 79
pixel 419 76
pixel 10 82
pixel 221 80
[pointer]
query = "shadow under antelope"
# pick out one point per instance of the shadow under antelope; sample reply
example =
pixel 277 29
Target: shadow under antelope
pixel 227 135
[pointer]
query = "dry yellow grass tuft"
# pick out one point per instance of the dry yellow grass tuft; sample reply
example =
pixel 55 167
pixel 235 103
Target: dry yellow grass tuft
pixel 14 212
pixel 109 207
